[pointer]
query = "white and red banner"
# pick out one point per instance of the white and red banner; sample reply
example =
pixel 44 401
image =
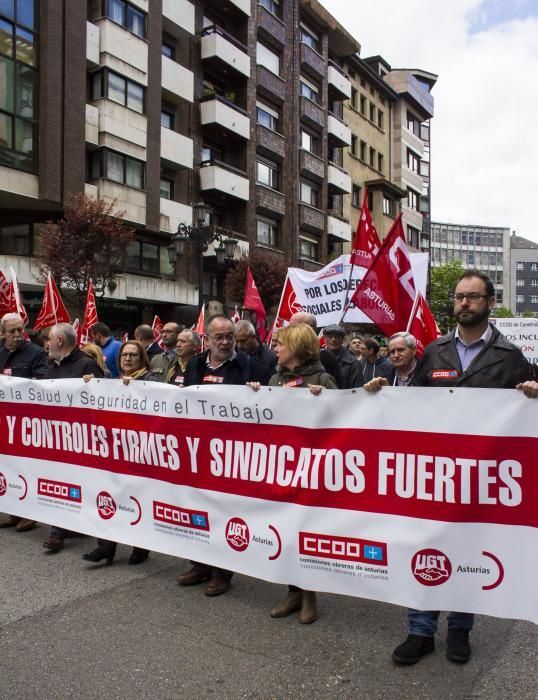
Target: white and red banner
pixel 323 292
pixel 522 332
pixel 395 496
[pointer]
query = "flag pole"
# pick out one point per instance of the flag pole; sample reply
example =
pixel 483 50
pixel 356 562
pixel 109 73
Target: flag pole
pixel 268 341
pixel 413 312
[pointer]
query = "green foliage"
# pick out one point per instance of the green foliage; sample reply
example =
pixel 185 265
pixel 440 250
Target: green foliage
pixel 503 312
pixel 530 314
pixel 442 282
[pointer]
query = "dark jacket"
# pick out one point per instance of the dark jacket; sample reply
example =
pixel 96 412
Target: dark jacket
pixel 380 368
pixel 500 365
pixel 73 366
pixel 265 356
pixel 349 369
pixel 28 361
pixel 330 363
pixel 240 370
pixel 311 372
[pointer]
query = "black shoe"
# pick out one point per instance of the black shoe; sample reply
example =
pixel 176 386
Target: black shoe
pixel 458 648
pixel 99 554
pixel 138 556
pixel 413 649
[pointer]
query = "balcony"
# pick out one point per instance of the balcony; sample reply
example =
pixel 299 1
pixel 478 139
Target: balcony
pixel 311 219
pixel 270 143
pixel 339 228
pixel 311 165
pixel 221 115
pixel 222 50
pixel 124 198
pixel 270 202
pixel 177 82
pixel 270 85
pixel 312 62
pixel 122 128
pixel 179 13
pixel 270 27
pixel 176 150
pixel 243 5
pixel 119 43
pixel 174 213
pixel 339 134
pixel 92 125
pixel 338 82
pixel 92 43
pixel 312 114
pixel 338 180
pixel 224 179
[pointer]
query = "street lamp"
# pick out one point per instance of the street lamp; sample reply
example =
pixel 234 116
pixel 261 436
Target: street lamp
pixel 201 234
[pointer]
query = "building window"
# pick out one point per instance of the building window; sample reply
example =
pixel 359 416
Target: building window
pixel 210 154
pixel 354 142
pixel 470 259
pixel 520 298
pixel 520 266
pixel 167 119
pixel 167 188
pixel 271 5
pixel 266 116
pixel 127 15
pixel 309 194
pixel 363 104
pixel 413 124
pixel 309 37
pixel 380 119
pixel 267 174
pixel 372 157
pixel 18 86
pixel 115 87
pixel 267 58
pixel 389 207
pixel 413 236
pixel 16 239
pixel 117 167
pixel 412 199
pixel 413 161
pixel 520 282
pixel 425 132
pixel 534 267
pixel 534 282
pixel 534 299
pixel 424 168
pixel 380 162
pixel 168 50
pixel 143 257
pixel 309 142
pixel 372 112
pixel 308 248
pixel 362 155
pixel 309 90
pixel 267 232
pixel 354 94
pixel 355 196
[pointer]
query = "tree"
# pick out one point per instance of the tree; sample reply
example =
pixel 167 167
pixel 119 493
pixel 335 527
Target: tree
pixel 503 312
pixel 89 242
pixel 269 273
pixel 442 282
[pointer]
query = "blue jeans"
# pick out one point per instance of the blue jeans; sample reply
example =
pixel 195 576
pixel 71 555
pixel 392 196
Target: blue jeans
pixel 424 622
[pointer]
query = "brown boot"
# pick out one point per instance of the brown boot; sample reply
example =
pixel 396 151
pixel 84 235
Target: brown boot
pixel 309 611
pixel 290 604
pixel 12 521
pixel 25 525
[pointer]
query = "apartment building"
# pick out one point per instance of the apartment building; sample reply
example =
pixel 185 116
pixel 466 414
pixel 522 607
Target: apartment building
pixel 159 104
pixel 486 248
pixel 523 276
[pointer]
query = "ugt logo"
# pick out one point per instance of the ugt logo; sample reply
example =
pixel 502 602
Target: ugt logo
pixel 3 484
pixel 106 506
pixel 431 567
pixel 237 534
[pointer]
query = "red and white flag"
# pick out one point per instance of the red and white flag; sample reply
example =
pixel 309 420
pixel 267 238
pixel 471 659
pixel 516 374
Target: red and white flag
pixel 90 316
pixel 366 243
pixel 6 295
pixel 253 302
pixel 77 329
pixel 287 306
pixel 423 325
pixel 125 337
pixel 52 310
pixel 157 328
pixel 387 292
pixel 236 316
pixel 16 300
pixel 199 327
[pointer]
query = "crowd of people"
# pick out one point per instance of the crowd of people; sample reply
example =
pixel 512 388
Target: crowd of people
pixel 475 352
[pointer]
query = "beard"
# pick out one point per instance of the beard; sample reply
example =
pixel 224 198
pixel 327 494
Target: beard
pixel 468 318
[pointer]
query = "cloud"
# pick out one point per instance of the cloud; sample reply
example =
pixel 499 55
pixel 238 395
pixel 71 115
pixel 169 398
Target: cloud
pixel 486 99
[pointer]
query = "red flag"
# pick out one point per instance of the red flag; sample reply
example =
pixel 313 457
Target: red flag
pixel 199 327
pixel 77 329
pixel 253 302
pixel 236 316
pixel 90 316
pixel 52 310
pixel 387 293
pixel 6 296
pixel 423 326
pixel 366 243
pixel 16 300
pixel 125 337
pixel 157 328
pixel 287 307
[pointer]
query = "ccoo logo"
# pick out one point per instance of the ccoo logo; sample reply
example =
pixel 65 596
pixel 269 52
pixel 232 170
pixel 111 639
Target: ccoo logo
pixel 237 534
pixel 106 506
pixel 431 567
pixel 3 484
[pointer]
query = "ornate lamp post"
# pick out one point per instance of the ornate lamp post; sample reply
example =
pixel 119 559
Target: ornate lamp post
pixel 201 234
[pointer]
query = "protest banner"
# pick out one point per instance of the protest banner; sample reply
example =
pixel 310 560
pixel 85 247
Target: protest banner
pixel 323 292
pixel 522 332
pixel 396 496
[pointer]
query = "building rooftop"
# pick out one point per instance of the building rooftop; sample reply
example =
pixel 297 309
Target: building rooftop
pixel 520 242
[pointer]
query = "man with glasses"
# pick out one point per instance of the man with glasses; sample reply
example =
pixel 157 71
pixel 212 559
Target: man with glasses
pixel 160 364
pixel 221 364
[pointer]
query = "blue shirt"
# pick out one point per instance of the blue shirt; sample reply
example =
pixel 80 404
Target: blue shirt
pixel 111 351
pixel 467 353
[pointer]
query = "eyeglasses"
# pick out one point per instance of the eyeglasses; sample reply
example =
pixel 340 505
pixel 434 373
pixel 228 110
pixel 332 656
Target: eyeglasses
pixel 222 338
pixel 472 297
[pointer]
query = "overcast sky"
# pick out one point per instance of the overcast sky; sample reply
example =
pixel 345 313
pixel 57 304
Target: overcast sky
pixel 484 132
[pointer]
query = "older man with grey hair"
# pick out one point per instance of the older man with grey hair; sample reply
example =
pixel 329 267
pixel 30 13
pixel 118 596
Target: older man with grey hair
pixel 19 358
pixel 246 340
pixel 402 353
